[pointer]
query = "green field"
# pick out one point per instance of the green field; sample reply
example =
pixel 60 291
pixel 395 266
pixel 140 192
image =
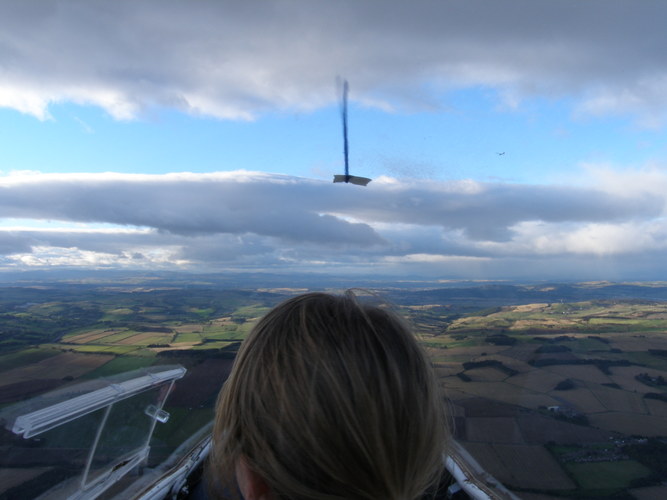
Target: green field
pixel 25 357
pixel 590 316
pixel 607 475
pixel 188 337
pixel 107 349
pixel 120 364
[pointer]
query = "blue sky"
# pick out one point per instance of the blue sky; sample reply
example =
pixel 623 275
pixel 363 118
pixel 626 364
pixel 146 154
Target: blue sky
pixel 542 139
pixel 144 135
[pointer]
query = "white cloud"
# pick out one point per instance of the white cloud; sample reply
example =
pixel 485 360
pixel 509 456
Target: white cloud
pixel 43 257
pixel 26 101
pixel 590 238
pixel 648 180
pixel 425 258
pixel 645 97
pixel 233 60
pixel 247 220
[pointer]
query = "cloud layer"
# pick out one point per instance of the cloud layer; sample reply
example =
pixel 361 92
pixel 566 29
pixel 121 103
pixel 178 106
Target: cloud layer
pixel 246 220
pixel 236 60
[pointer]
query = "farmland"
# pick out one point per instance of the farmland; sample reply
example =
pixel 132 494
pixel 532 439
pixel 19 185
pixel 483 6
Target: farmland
pixel 528 371
pixel 524 377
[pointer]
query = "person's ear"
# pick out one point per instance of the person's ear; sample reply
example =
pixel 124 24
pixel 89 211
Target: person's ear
pixel 251 484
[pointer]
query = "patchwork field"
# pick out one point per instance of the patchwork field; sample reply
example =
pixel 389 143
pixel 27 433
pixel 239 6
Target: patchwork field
pixel 521 378
pixel 67 364
pixel 532 467
pixel 587 373
pixel 580 399
pixel 486 375
pixel 537 380
pixel 630 423
pixel 541 428
pixel 656 408
pixel 25 357
pixel 500 391
pixel 46 374
pixel 618 400
pixel 493 430
pixel 625 376
pixel 572 379
pixel 525 465
pixel 92 336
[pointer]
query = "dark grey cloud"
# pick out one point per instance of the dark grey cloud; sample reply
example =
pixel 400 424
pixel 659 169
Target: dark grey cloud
pixel 14 242
pixel 234 59
pixel 261 221
pixel 490 210
pixel 306 211
pixel 192 206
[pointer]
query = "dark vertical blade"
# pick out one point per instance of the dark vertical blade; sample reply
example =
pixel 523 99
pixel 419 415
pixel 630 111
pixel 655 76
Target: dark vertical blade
pixel 344 114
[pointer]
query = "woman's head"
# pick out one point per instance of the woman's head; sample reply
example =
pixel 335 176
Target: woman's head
pixel 331 398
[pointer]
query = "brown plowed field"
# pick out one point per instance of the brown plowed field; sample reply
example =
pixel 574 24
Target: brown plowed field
pixel 486 374
pixel 538 380
pixel 146 338
pixel 493 430
pixel 525 465
pixel 618 400
pixel 581 399
pixel 625 377
pixel 501 391
pixel 561 356
pixel 630 423
pixel 190 328
pixel 454 394
pixel 488 459
pixel 92 336
pixel 447 369
pixel 626 344
pixel 468 353
pixel 510 362
pixel 115 338
pixel 533 467
pixel 175 346
pixel 521 352
pixel 478 407
pixel 657 408
pixel 539 429
pixel 589 373
pixel 27 388
pixel 67 364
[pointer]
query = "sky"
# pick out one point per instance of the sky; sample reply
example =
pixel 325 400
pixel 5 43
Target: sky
pixel 512 139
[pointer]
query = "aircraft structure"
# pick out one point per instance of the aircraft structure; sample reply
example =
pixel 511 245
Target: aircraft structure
pixel 116 417
pixel 347 178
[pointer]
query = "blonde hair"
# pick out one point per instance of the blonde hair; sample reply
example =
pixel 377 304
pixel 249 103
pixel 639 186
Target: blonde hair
pixel 330 398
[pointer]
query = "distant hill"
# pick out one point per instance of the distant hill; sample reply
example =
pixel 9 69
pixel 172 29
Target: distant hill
pixel 505 294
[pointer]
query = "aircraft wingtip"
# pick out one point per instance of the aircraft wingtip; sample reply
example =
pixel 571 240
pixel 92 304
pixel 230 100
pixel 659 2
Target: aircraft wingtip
pixel 352 179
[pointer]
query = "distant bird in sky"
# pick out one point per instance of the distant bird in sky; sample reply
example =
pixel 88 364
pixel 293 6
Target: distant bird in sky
pixel 500 154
